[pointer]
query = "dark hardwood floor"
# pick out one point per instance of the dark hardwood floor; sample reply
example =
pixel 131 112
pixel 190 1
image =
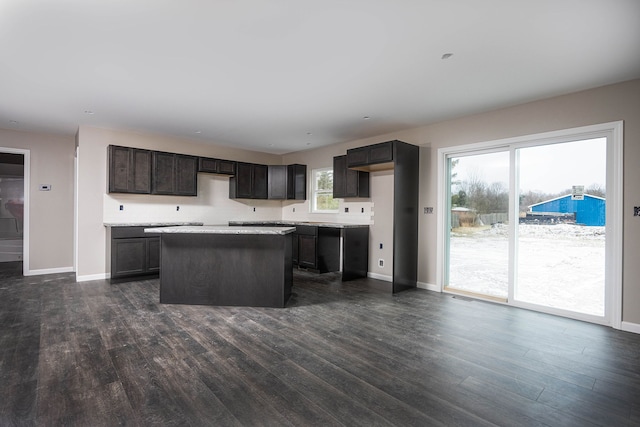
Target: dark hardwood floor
pixel 96 353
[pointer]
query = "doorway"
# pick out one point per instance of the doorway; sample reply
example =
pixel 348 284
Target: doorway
pixel 535 222
pixel 12 198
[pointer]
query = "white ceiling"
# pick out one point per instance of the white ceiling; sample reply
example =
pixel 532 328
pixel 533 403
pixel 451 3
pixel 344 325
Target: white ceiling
pixel 287 75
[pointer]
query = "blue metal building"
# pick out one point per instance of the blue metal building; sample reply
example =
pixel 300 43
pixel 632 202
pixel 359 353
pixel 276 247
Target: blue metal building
pixel 589 211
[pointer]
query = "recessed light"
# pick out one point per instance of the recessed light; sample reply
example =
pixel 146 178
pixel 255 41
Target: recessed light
pixel 89 112
pixel 309 133
pixel 447 55
pixel 366 117
pixel 198 132
pixel 308 143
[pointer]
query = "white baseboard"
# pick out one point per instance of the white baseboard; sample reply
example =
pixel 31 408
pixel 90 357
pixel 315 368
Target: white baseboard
pixel 429 287
pixel 380 277
pixel 89 277
pixel 49 271
pixel 630 327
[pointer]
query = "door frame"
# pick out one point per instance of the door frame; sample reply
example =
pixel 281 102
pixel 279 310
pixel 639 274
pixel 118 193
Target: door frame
pixel 614 208
pixel 25 223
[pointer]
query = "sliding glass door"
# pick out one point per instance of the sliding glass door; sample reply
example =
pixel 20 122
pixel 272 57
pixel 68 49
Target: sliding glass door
pixel 561 234
pixel 529 223
pixel 478 224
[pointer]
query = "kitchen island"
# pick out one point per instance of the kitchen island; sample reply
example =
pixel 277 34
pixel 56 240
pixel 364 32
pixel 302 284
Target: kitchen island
pixel 222 265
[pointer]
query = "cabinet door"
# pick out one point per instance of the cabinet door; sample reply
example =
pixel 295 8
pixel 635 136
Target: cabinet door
pixel 129 170
pixel 208 165
pixel 153 254
pixel 128 257
pixel 277 182
pixel 119 169
pixel 260 180
pixel 348 182
pixel 242 181
pixel 380 153
pixel 339 176
pixel 297 182
pixel 163 173
pixel 307 251
pixel 227 167
pixel 358 156
pixel 294 248
pixel 186 175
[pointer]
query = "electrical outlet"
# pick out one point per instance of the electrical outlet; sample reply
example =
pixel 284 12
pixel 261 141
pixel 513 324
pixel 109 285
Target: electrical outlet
pixel 254 209
pixel 636 211
pixel 428 210
pixel 361 210
pixel 380 263
pixel 294 209
pixel 121 207
pixel 380 245
pixel 346 210
pixel 177 208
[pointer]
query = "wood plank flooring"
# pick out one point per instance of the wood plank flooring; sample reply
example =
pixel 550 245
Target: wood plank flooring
pixel 102 354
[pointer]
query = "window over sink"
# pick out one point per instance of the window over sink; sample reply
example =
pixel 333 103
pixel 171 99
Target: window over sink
pixel 322 185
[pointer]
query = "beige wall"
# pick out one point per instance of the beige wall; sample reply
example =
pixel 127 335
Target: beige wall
pixel 600 105
pixel 51 212
pixel 96 206
pixel 52 163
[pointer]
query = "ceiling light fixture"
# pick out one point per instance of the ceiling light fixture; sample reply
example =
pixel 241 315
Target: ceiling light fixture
pixel 366 117
pixel 89 112
pixel 447 55
pixel 198 132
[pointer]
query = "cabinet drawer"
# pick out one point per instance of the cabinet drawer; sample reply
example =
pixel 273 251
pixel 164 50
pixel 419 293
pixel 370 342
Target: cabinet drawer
pixel 127 232
pixel 307 230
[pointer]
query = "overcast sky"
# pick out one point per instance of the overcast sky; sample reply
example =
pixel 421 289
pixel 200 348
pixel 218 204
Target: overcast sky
pixel 549 168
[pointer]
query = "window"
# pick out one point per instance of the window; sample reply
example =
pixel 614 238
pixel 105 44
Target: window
pixel 322 185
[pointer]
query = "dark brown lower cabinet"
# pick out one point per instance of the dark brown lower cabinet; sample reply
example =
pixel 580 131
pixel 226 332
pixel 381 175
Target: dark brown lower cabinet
pixel 134 253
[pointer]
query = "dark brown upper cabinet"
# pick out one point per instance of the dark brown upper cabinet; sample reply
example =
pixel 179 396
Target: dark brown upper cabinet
pixel 348 183
pixel 372 157
pixel 129 170
pixel 297 182
pixel 218 166
pixel 288 182
pixel 277 182
pixel 174 174
pixel 249 182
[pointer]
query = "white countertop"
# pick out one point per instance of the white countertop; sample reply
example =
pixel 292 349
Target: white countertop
pixel 293 223
pixel 150 224
pixel 222 229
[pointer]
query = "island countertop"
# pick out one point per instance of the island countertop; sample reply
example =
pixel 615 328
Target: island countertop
pixel 285 223
pixel 221 229
pixel 150 224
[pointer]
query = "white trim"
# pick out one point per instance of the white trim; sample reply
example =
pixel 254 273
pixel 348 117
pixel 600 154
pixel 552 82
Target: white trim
pixel 27 202
pixel 630 327
pixel 428 286
pixel 614 214
pixel 55 270
pixel 76 164
pixel 89 277
pixel 615 224
pixel 380 277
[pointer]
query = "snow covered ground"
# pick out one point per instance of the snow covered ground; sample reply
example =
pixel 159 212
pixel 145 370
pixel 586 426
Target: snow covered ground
pixel 560 266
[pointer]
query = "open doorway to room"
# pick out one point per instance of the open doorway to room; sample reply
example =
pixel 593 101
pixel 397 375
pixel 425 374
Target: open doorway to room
pixel 11 211
pixel 535 222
